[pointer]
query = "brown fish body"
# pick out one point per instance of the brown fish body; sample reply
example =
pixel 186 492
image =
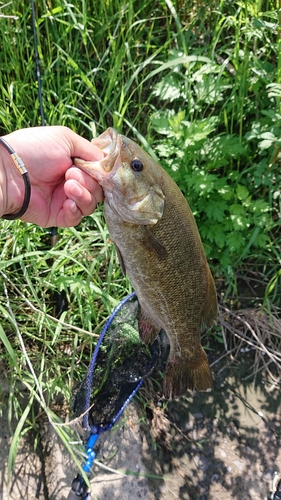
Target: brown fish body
pixel 160 249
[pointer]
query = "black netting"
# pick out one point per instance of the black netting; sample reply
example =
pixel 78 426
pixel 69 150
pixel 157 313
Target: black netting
pixel 121 363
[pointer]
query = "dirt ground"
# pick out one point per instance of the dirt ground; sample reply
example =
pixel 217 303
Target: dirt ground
pixel 223 445
pixel 220 445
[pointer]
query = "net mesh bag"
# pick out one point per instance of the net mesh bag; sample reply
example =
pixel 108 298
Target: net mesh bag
pixel 119 365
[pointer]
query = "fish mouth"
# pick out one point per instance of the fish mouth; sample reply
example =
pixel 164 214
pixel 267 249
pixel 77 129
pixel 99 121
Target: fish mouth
pixel 102 170
pixel 108 142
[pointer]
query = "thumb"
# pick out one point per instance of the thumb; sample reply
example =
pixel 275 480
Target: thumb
pixel 82 148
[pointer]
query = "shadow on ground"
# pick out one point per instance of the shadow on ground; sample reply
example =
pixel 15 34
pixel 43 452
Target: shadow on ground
pixel 225 444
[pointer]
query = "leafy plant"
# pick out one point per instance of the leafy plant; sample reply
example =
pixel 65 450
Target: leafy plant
pixel 218 134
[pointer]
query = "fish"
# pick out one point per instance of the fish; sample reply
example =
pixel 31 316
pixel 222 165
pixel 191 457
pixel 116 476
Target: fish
pixel 160 250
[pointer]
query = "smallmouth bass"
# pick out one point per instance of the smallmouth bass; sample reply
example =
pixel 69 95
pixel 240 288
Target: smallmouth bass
pixel 160 249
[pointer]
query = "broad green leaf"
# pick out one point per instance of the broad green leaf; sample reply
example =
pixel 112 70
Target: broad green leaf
pixel 265 144
pixel 242 192
pixel 235 241
pixel 269 136
pixel 216 210
pixel 167 89
pixel 237 209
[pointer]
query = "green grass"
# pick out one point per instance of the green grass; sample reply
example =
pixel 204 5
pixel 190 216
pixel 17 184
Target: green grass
pixel 41 355
pixel 199 87
pixel 83 265
pixel 93 60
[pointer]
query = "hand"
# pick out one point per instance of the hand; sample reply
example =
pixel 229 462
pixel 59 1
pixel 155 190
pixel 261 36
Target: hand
pixel 60 192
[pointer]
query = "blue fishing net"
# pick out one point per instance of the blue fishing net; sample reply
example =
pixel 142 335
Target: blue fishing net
pixel 119 366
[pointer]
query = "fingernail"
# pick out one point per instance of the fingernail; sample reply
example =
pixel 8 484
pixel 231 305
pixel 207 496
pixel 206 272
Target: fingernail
pixel 73 207
pixel 76 190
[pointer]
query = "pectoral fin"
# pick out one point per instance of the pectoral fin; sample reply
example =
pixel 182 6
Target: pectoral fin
pixel 121 261
pixel 152 243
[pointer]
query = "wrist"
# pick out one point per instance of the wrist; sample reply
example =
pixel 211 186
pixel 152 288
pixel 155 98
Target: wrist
pixel 11 184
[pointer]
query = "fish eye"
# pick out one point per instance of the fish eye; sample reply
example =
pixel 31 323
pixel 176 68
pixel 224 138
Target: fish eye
pixel 136 165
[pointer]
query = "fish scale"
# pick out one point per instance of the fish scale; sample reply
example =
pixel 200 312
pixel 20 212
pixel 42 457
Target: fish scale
pixel 160 249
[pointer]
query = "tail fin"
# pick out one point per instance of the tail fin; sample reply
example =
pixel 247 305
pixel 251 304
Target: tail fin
pixel 183 374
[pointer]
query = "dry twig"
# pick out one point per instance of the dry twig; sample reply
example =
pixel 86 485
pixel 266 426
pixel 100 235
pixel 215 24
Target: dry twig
pixel 257 329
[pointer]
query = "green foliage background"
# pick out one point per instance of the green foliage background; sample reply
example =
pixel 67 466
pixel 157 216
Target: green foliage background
pixel 198 85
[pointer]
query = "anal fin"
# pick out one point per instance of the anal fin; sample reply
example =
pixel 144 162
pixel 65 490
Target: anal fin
pixel 151 242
